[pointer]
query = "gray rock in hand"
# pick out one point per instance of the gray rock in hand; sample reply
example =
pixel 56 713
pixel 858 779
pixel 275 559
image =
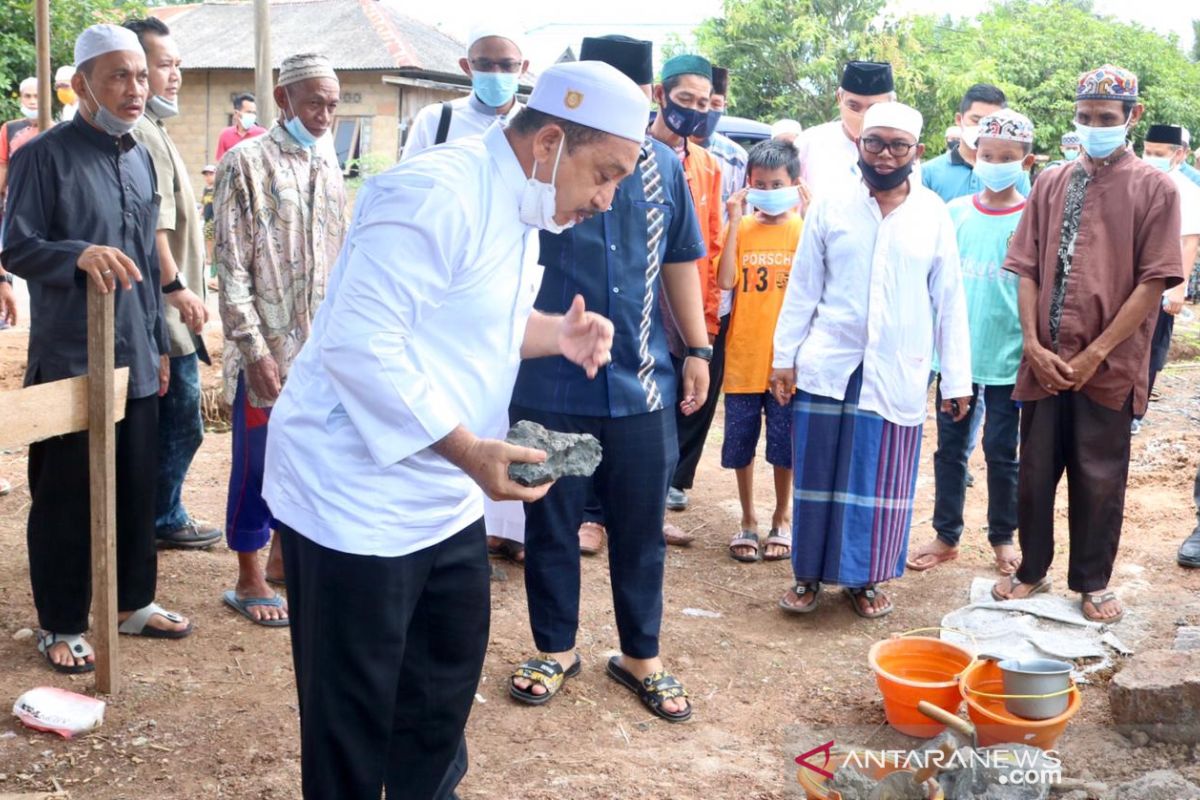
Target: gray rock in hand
pixel 566 454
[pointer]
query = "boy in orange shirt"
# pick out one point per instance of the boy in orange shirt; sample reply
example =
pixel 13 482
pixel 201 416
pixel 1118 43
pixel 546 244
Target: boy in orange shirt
pixel 756 262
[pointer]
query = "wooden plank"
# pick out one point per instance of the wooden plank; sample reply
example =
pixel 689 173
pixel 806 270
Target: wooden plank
pixel 52 409
pixel 102 452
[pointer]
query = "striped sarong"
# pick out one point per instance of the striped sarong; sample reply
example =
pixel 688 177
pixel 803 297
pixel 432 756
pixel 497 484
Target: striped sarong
pixel 855 474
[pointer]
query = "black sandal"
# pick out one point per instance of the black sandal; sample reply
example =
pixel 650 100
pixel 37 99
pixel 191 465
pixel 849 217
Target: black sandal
pixel 508 550
pixel 870 593
pixel 653 690
pixel 801 589
pixel 547 672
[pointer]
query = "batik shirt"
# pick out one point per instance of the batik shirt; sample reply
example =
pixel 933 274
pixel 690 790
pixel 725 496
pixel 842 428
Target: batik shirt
pixel 1072 213
pixel 280 217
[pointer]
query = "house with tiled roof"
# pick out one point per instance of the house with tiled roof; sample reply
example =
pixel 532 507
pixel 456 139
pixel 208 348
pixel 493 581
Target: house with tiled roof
pixel 389 66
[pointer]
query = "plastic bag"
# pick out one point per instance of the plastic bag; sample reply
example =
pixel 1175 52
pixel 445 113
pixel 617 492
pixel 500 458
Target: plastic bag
pixel 59 711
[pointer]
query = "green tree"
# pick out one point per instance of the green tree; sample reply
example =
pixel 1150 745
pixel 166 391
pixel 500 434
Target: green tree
pixel 785 56
pixel 1196 40
pixel 18 57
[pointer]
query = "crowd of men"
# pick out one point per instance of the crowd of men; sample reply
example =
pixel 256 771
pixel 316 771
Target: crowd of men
pixel 581 262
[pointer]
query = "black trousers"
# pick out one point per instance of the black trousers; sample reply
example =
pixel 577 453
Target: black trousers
pixel 1091 443
pixel 59 529
pixel 693 430
pixel 631 483
pixel 388 653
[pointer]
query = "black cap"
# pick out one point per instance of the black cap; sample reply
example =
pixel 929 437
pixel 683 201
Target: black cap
pixel 1165 134
pixel 720 81
pixel 868 77
pixel 634 57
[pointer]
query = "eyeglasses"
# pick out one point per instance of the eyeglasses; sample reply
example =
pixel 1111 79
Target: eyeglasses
pixel 487 65
pixel 897 147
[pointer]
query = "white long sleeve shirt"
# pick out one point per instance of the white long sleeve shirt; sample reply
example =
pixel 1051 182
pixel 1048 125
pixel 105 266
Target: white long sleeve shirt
pixel 469 117
pixel 828 159
pixel 420 332
pixel 881 292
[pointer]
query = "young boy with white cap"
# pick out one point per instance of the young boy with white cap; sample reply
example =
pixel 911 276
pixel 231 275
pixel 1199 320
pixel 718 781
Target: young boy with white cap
pixel 875 290
pixel 495 64
pixel 374 468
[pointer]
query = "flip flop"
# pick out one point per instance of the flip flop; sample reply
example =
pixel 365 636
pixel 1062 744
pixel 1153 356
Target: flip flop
pixel 508 549
pixel 75 642
pixel 653 690
pixel 745 539
pixel 138 623
pixel 547 672
pixel 869 592
pixel 1097 600
pixel 1013 582
pixel 926 553
pixel 276 581
pixel 777 538
pixel 676 536
pixel 243 606
pixel 801 589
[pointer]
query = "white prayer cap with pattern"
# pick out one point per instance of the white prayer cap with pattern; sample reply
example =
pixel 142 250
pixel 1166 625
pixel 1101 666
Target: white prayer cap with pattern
pixel 594 94
pixel 304 66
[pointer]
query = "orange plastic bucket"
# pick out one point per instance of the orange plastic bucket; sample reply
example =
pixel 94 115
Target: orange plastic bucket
pixel 910 669
pixel 814 784
pixel 994 724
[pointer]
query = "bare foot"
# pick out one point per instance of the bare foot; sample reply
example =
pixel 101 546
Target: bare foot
pixel 642 668
pixel 565 660
pixel 1008 559
pixel 931 555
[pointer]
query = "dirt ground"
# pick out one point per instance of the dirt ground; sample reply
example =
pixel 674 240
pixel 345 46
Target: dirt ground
pixel 214 715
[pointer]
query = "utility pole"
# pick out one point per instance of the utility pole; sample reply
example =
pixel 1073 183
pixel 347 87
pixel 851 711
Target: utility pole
pixel 264 82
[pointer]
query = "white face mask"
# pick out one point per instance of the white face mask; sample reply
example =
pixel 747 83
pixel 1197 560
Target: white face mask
pixel 970 136
pixel 538 199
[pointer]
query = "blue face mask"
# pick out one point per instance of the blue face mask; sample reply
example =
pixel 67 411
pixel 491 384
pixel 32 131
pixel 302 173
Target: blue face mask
pixel 1101 142
pixel 773 201
pixel 1158 162
pixel 295 127
pixel 998 177
pixel 1071 155
pixel 494 89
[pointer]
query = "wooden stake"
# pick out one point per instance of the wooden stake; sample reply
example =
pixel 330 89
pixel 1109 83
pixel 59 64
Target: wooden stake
pixel 264 81
pixel 41 22
pixel 102 451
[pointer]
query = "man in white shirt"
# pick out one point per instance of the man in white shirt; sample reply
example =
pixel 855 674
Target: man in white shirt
pixel 875 290
pixel 373 469
pixel 829 152
pixel 495 64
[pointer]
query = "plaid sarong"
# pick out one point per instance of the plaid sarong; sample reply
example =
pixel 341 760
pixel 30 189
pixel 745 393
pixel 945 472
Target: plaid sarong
pixel 855 477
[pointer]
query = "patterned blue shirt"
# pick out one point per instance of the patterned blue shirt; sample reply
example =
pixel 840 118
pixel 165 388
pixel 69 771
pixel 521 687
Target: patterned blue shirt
pixel 605 260
pixel 950 177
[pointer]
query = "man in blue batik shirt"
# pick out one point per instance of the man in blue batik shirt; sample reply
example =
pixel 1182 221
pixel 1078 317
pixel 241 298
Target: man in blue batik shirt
pixel 615 261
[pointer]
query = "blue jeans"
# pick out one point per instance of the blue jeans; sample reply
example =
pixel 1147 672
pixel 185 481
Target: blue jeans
pixel 180 432
pixel 1000 434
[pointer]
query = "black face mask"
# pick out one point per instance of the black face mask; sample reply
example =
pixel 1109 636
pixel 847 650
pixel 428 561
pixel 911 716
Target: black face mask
pixel 712 118
pixel 683 121
pixel 884 183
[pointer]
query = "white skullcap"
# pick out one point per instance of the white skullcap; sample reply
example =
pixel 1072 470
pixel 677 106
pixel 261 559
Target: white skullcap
pixel 209 168
pixel 303 67
pixel 64 74
pixel 594 94
pixel 499 28
pixel 30 82
pixel 100 39
pixel 894 115
pixel 786 126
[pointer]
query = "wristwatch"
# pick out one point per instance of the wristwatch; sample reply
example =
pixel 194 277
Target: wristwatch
pixel 174 286
pixel 705 353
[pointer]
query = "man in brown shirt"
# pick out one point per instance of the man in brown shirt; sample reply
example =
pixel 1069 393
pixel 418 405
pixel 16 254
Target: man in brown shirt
pixel 1096 248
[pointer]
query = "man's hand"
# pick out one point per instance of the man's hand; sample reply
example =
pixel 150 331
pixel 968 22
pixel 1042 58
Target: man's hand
pixel 190 307
pixel 735 206
pixel 1173 300
pixel 963 404
pixel 263 377
pixel 106 266
pixel 585 338
pixel 486 462
pixel 805 195
pixel 783 384
pixel 8 303
pixel 1084 367
pixel 695 385
pixel 164 374
pixel 1052 373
